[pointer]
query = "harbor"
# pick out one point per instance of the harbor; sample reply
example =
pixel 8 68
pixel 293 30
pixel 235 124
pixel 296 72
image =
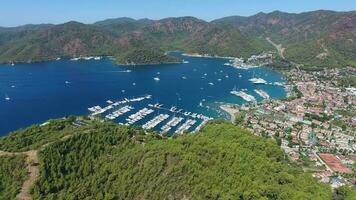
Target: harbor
pixel 168 120
pixel 188 90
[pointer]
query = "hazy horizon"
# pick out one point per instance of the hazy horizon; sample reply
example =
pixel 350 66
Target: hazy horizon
pixel 57 12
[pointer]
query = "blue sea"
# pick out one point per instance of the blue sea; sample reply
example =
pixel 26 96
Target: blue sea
pixel 34 93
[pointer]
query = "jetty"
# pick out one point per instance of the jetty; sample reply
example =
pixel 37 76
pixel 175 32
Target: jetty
pixel 262 93
pixel 244 96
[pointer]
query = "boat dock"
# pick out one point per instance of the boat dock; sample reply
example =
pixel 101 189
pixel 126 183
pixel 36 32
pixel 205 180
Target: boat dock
pixel 262 93
pixel 244 95
pixel 119 112
pixel 184 127
pixel 172 123
pixel 138 116
pixel 115 109
pixel 96 110
pixel 205 121
pixel 155 121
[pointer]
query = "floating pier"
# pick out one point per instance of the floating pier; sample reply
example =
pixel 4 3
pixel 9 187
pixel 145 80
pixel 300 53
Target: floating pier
pixel 155 121
pixel 119 112
pixel 186 126
pixel 172 123
pixel 138 116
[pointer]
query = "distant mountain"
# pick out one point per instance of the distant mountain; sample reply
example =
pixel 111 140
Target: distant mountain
pixel 321 38
pixel 310 38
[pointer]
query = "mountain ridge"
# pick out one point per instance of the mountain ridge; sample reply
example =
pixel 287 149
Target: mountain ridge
pixel 316 38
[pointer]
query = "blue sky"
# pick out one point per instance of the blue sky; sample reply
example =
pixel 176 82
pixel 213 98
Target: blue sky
pixel 19 12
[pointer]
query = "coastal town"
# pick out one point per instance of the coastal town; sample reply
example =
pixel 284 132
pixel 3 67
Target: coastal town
pixel 315 125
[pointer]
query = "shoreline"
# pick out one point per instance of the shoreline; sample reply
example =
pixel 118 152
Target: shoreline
pixel 231 111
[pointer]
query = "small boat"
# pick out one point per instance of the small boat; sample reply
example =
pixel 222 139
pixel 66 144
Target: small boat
pixel 183 77
pixel 211 83
pixel 75 59
pixel 7 98
pixel 133 84
pixel 67 82
pixel 12 64
pixel 219 79
pixel 156 79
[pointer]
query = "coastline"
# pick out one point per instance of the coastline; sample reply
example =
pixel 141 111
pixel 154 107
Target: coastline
pixel 231 111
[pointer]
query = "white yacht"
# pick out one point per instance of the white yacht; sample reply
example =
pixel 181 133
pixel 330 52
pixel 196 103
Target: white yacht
pixel 258 80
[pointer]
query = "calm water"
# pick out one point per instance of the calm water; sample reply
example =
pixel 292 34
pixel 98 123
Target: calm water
pixel 55 89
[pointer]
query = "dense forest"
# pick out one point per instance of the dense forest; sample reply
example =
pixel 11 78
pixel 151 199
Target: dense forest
pixel 35 136
pixel 108 161
pixel 13 173
pixel 145 56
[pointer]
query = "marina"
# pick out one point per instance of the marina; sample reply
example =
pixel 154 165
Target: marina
pixel 126 106
pixel 100 89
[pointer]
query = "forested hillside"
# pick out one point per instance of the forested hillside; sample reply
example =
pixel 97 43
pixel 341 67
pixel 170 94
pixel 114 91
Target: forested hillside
pixel 321 38
pixel 108 161
pixel 13 173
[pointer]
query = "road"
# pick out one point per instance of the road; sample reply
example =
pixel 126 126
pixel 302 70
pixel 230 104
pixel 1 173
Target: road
pixel 279 47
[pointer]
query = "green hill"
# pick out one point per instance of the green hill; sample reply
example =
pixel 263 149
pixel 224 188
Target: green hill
pixel 145 56
pixel 108 161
